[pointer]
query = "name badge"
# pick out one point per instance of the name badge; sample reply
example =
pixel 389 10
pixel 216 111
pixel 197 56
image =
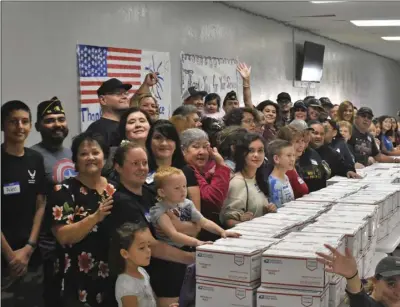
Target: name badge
pixel 300 180
pixel 314 162
pixel 338 150
pixel 369 139
pixel 11 188
pixel 150 178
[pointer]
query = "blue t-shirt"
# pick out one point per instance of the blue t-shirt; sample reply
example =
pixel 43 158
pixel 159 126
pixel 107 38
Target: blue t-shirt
pixel 280 191
pixel 387 144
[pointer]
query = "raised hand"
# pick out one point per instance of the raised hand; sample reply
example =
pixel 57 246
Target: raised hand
pixel 244 71
pixel 151 79
pixel 344 265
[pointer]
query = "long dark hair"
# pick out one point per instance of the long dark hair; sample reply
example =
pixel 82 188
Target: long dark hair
pixel 381 119
pixel 242 149
pixel 168 130
pixel 123 238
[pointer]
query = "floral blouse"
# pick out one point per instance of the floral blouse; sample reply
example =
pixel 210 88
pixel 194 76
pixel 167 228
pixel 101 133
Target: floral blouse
pixel 83 265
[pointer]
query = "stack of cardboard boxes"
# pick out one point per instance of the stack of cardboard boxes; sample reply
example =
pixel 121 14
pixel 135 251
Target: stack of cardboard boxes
pixel 273 263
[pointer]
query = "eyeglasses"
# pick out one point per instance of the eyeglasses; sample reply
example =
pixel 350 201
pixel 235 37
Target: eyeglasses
pixel 248 121
pixel 118 93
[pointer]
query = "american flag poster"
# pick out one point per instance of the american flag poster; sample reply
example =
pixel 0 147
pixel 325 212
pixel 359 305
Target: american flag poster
pixel 97 64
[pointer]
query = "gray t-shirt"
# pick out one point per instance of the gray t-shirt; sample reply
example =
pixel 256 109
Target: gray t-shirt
pixel 57 164
pixel 127 285
pixel 186 212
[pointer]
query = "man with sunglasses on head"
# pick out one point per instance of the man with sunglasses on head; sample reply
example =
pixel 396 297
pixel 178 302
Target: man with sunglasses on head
pixel 362 143
pixel 51 123
pixel 114 100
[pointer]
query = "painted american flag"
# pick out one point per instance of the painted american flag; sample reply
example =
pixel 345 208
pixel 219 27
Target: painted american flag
pixel 98 64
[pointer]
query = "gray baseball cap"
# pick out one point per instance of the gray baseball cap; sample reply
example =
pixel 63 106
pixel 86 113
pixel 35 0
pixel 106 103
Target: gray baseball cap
pixel 388 267
pixel 300 125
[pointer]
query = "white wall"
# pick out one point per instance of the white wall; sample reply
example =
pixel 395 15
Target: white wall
pixel 39 42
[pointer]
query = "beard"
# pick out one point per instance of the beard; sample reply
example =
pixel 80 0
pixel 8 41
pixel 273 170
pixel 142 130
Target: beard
pixel 51 136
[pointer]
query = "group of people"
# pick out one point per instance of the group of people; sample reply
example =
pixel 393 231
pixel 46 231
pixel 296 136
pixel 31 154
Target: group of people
pixel 114 220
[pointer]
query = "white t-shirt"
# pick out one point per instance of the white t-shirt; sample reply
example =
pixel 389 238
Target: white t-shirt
pixel 127 285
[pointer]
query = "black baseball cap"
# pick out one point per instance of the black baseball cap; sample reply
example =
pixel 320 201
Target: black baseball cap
pixel 193 92
pixel 326 102
pixel 365 110
pixel 111 85
pixel 388 267
pixel 299 105
pixel 284 98
pixel 314 103
pixel 230 96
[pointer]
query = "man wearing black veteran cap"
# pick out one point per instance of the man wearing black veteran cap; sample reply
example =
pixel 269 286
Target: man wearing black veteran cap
pixel 230 102
pixel 114 100
pixel 362 143
pixel 382 290
pixel 52 125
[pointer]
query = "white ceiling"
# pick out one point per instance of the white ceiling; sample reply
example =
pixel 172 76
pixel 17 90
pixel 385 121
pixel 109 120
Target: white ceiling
pixel 337 27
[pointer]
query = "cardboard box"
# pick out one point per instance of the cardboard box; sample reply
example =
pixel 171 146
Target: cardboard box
pixel 308 205
pixel 228 263
pixel 295 210
pixel 274 297
pixel 258 244
pixel 375 200
pixel 293 270
pixel 383 230
pixel 352 236
pixel 210 293
pixel 363 224
pixel 266 221
pixel 336 292
pixel 371 214
pixel 265 231
pixel 300 219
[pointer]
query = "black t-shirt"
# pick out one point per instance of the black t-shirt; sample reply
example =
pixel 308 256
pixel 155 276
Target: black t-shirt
pixel 363 146
pixel 22 180
pixel 190 176
pixel 108 129
pixel 130 207
pixel 314 171
pixel 362 299
pixel 335 161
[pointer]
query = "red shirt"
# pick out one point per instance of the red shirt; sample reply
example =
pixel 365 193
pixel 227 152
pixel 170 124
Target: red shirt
pixel 299 187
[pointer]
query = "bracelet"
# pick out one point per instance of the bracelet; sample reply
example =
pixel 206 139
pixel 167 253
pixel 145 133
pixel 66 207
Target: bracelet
pixel 32 244
pixel 352 276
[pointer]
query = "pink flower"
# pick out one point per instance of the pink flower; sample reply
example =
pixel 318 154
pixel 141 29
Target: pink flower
pixel 57 213
pixel 70 219
pixel 103 269
pixel 67 263
pixel 80 211
pixel 110 190
pixel 82 295
pixel 85 262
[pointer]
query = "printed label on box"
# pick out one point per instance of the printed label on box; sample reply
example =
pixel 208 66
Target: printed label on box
pixel 307 301
pixel 239 260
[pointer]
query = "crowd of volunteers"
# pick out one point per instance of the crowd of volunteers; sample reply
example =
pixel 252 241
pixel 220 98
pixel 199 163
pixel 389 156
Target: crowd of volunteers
pixel 114 219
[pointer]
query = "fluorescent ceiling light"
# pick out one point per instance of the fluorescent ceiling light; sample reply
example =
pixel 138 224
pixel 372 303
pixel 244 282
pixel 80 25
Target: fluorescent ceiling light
pixel 376 23
pixel 391 38
pixel 326 2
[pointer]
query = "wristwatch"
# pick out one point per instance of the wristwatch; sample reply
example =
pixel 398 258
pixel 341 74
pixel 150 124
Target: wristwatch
pixel 32 244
